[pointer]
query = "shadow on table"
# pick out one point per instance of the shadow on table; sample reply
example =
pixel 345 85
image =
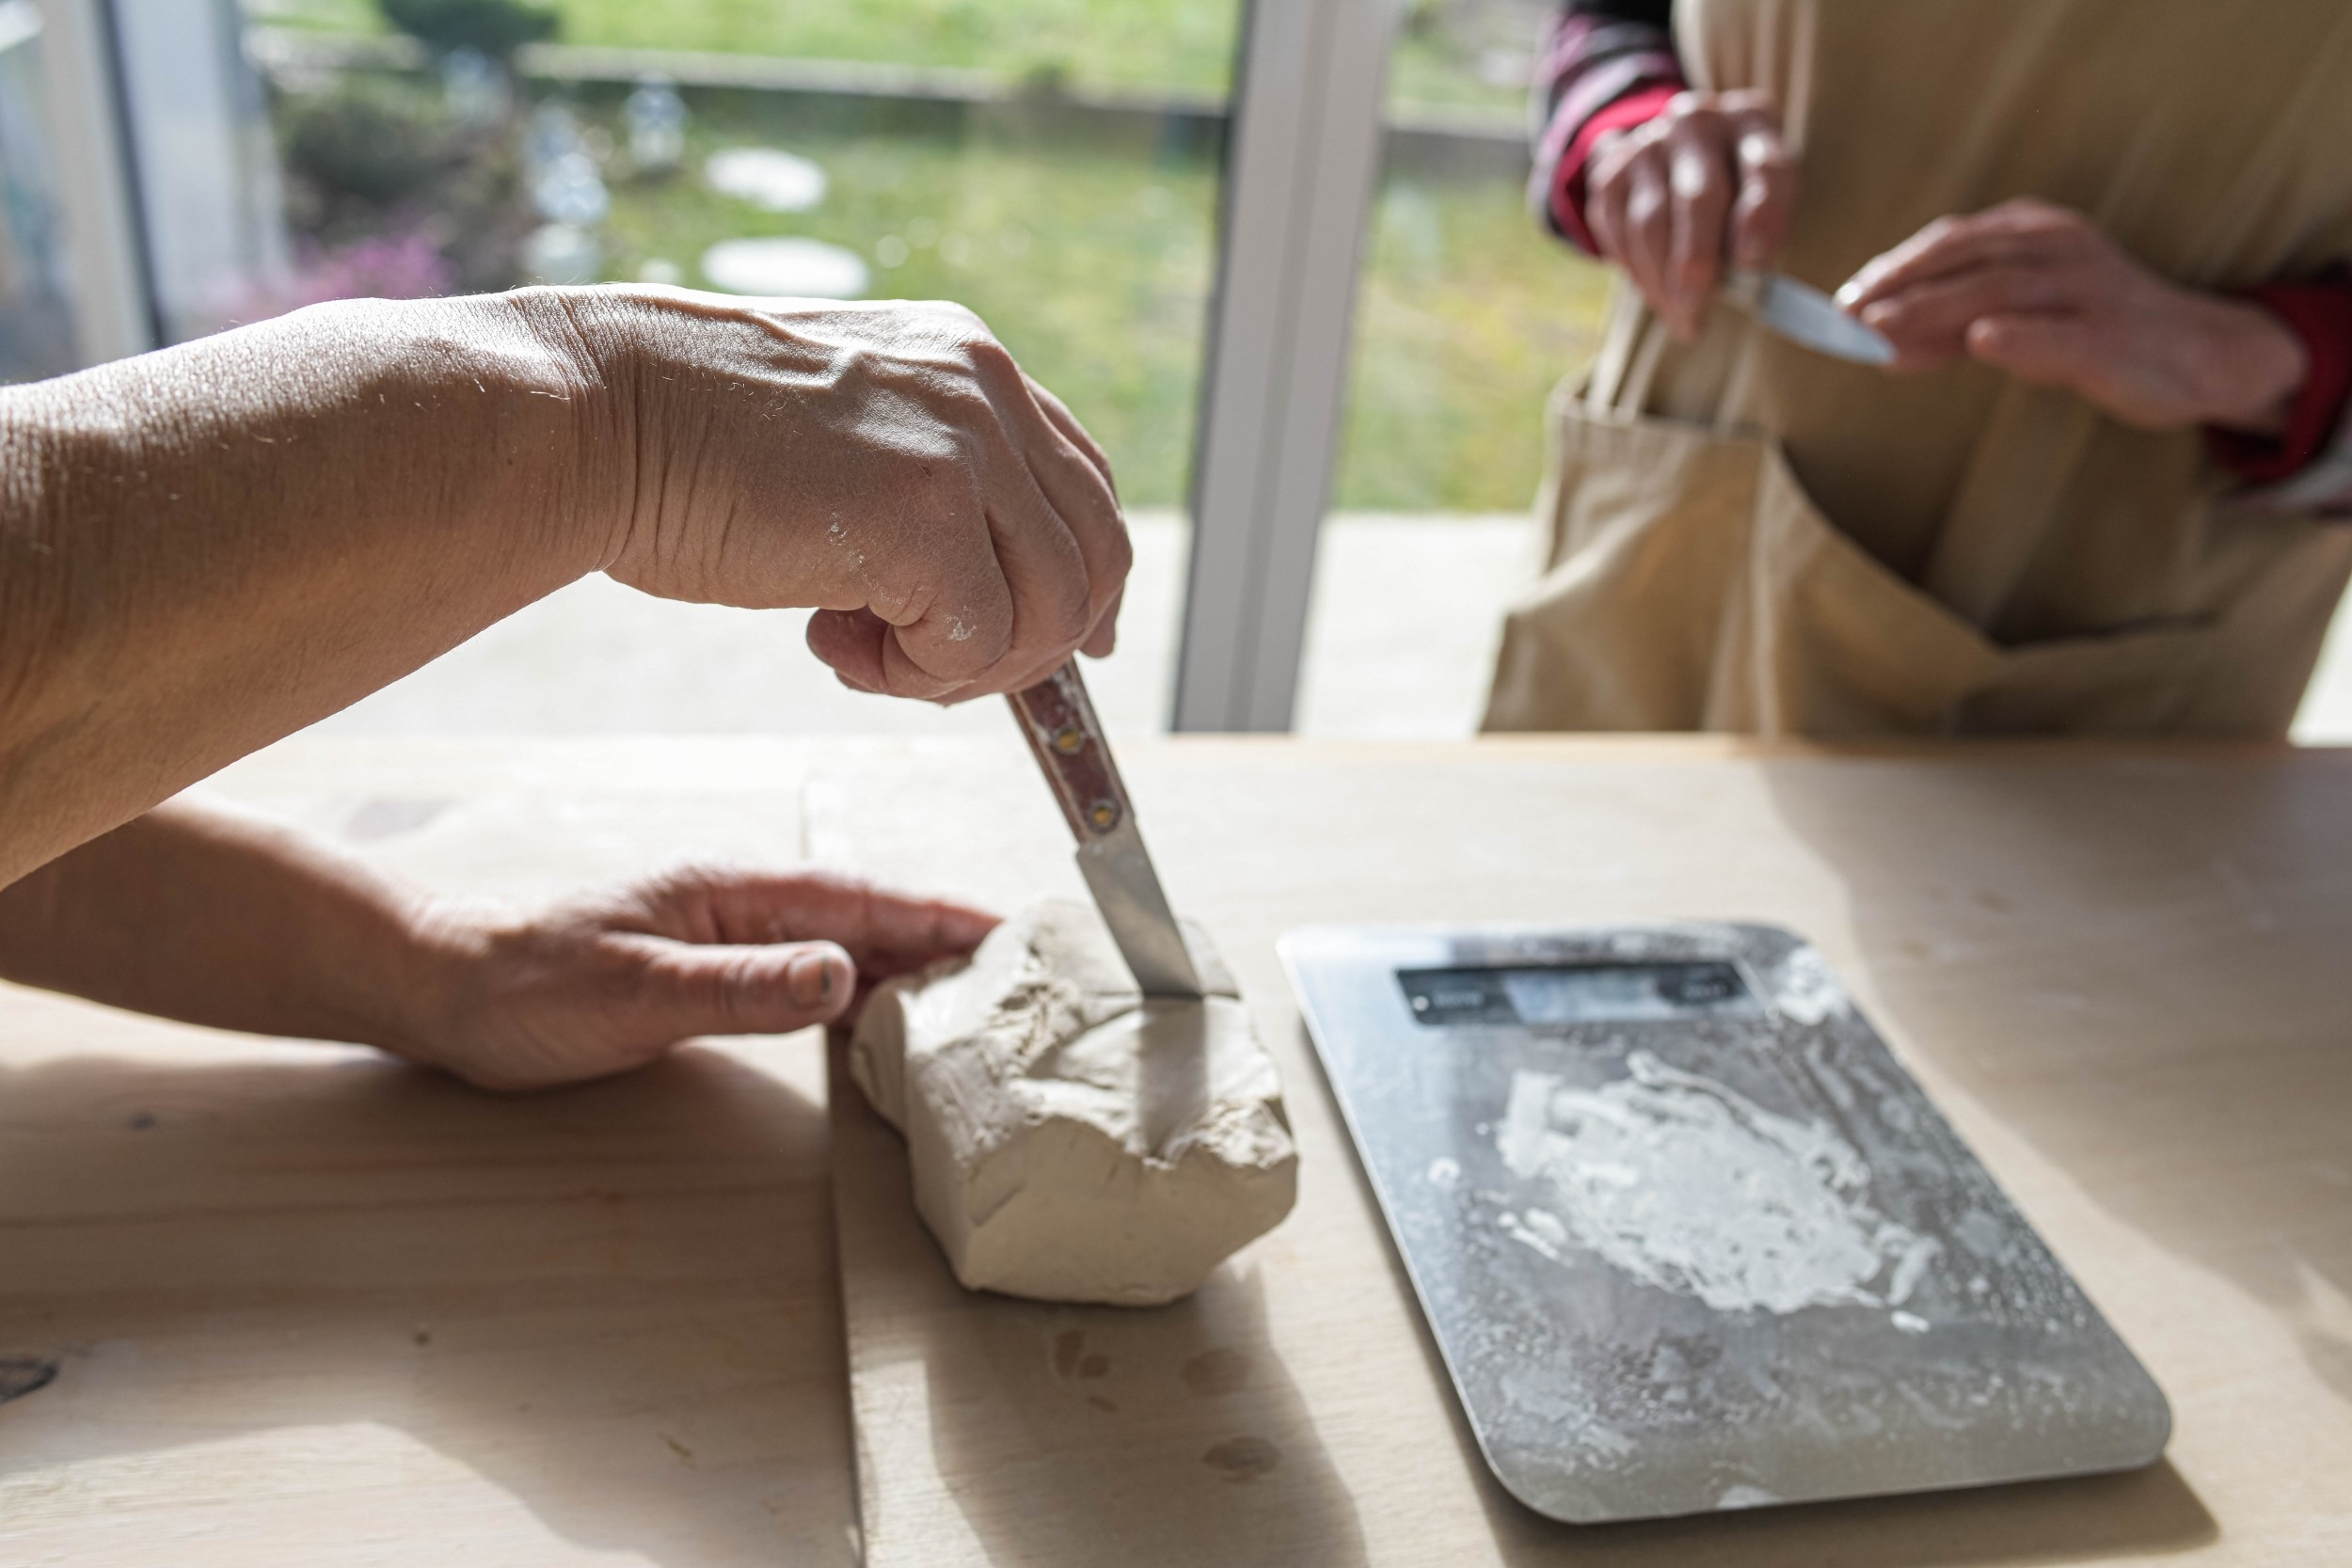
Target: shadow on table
pixel 1067 1436
pixel 2223 1132
pixel 614 1302
pixel 2135 1515
pixel 1178 1441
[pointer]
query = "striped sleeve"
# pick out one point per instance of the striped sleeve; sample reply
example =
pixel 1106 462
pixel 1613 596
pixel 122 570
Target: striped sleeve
pixel 1607 64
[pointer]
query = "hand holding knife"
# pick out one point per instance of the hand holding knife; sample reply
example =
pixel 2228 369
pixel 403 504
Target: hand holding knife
pixel 1058 719
pixel 1807 317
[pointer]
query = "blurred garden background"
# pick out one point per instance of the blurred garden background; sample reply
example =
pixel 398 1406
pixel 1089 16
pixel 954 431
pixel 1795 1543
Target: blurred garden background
pixel 1051 164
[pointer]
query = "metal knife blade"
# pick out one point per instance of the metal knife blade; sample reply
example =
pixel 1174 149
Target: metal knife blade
pixel 1807 317
pixel 1058 719
pixel 1127 889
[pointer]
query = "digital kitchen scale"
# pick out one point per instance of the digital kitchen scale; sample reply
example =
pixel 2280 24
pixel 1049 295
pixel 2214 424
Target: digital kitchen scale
pixel 1688 1235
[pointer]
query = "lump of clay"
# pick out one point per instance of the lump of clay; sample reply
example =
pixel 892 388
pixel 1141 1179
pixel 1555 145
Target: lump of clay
pixel 1070 1139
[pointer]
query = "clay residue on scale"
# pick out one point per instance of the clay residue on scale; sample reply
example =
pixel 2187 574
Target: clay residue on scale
pixel 1687 1185
pixel 1242 1459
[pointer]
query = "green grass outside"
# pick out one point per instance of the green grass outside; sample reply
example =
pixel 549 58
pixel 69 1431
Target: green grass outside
pixel 1184 45
pixel 1465 318
pixel 1093 264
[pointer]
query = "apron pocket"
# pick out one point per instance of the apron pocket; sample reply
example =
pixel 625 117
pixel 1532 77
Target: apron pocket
pixel 2145 681
pixel 1648 526
pixel 1692 584
pixel 1834 644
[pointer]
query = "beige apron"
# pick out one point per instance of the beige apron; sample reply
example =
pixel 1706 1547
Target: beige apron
pixel 1747 536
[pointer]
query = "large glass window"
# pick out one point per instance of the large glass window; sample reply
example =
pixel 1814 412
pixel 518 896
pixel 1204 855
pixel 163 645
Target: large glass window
pixel 1054 164
pixel 1051 164
pixel 36 336
pixel 1465 316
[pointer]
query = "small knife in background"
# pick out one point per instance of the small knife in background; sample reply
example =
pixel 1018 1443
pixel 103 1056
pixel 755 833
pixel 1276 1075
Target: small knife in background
pixel 1057 719
pixel 1807 317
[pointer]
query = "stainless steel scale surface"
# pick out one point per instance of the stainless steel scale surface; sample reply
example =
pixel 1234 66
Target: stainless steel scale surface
pixel 1688 1235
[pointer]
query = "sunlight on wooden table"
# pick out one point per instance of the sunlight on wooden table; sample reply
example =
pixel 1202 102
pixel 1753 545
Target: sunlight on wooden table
pixel 306 1307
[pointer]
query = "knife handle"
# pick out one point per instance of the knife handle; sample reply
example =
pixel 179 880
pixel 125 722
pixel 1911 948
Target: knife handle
pixel 1058 719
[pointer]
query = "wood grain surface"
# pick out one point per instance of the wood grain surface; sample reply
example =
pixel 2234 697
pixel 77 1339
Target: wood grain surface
pixel 2122 975
pixel 299 1304
pixel 265 1303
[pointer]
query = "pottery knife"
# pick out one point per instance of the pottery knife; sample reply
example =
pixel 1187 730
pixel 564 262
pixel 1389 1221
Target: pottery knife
pixel 1058 722
pixel 1807 317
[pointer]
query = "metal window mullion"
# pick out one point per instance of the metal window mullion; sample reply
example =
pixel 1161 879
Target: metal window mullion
pixel 1300 176
pixel 113 308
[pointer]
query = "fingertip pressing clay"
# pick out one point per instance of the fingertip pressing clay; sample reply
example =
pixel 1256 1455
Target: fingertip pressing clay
pixel 1071 1140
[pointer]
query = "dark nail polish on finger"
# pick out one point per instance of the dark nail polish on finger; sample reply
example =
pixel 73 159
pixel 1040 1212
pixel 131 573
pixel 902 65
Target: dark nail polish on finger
pixel 808 980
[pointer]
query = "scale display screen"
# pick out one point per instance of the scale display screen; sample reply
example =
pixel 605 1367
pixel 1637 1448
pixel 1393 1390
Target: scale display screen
pixel 1578 993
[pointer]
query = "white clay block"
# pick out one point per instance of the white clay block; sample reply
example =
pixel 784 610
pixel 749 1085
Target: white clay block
pixel 1070 1141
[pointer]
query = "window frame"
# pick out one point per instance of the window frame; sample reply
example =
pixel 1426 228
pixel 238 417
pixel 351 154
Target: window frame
pixel 1302 170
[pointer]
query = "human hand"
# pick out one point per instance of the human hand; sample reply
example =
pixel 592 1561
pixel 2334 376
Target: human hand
pixel 887 463
pixel 1667 200
pixel 2039 291
pixel 605 983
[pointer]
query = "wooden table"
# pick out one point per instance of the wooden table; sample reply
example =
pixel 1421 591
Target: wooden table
pixel 265 1303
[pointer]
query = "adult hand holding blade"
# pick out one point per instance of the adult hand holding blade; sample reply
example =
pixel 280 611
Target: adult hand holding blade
pixel 1807 317
pixel 1058 719
pixel 1692 202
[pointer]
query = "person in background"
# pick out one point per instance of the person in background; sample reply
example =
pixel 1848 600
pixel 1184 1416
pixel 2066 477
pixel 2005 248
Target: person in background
pixel 209 547
pixel 2095 492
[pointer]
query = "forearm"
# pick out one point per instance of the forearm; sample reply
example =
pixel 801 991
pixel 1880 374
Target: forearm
pixel 223 920
pixel 207 549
